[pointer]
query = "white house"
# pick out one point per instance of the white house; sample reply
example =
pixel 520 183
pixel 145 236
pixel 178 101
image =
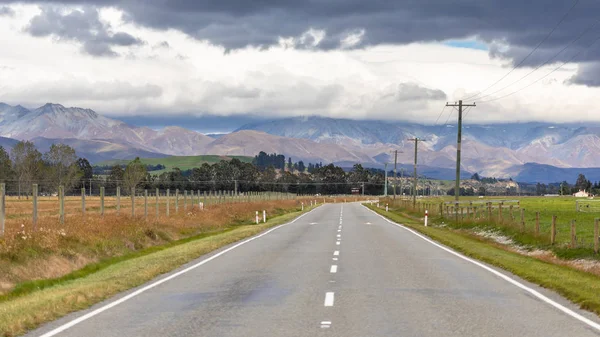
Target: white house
pixel 581 194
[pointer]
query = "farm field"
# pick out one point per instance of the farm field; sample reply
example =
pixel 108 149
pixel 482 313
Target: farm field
pixel 564 208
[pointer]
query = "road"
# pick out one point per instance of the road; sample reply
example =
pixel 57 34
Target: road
pixel 341 270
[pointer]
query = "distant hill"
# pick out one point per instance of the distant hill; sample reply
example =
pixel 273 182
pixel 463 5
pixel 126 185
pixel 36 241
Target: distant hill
pixel 182 162
pixel 534 173
pixel 494 150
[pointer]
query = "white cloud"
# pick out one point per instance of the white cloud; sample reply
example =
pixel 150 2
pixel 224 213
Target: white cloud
pixel 195 76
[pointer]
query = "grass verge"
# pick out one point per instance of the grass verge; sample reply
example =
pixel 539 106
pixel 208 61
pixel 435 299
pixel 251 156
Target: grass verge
pixel 579 287
pixel 34 307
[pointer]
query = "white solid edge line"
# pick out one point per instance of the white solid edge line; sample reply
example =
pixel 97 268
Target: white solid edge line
pixel 161 281
pixel 329 299
pixel 502 276
pixel 333 269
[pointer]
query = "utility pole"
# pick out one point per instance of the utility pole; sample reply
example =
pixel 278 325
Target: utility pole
pixel 460 106
pixel 416 140
pixel 395 173
pixel 385 186
pixel 401 182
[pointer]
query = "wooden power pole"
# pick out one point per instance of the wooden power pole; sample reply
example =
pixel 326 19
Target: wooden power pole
pixel 460 106
pixel 416 140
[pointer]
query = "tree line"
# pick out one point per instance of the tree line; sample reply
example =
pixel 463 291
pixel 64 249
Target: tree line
pixel 25 165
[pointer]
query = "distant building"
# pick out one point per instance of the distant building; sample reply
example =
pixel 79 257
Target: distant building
pixel 581 194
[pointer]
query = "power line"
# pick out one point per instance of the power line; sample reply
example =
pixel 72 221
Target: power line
pixel 528 55
pixel 545 63
pixel 541 78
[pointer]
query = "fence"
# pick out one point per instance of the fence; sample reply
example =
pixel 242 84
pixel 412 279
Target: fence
pixel 146 204
pixel 555 224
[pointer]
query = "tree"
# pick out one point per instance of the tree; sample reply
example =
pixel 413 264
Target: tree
pixel 476 177
pixel 115 177
pixel 301 166
pixel 290 165
pixel 63 169
pixel 27 164
pixel 86 169
pixel 6 171
pixel 581 183
pixel 481 191
pixel 134 174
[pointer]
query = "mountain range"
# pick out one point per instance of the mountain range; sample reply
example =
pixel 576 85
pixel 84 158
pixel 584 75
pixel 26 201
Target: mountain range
pixel 499 150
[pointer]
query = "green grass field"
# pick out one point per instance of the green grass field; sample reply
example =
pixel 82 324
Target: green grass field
pixel 182 162
pixel 564 208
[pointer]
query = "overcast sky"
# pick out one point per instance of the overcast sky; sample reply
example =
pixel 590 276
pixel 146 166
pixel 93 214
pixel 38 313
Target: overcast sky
pixel 401 60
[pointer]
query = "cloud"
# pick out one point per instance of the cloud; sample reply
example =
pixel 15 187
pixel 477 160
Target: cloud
pixel 414 92
pixel 80 25
pixel 80 92
pixel 6 11
pixel 236 24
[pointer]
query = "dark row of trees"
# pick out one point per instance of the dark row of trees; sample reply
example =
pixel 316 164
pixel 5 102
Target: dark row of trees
pixel 60 166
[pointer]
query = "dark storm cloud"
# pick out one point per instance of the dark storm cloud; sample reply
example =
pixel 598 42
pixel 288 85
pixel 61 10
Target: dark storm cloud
pixel 80 25
pixel 516 23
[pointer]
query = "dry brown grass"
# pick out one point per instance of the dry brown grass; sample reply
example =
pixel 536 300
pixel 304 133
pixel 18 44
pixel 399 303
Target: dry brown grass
pixel 54 250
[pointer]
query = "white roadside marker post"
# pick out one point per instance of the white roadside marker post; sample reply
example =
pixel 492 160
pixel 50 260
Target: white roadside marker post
pixel 264 216
pixel 426 215
pixel 257 217
pixel 386 207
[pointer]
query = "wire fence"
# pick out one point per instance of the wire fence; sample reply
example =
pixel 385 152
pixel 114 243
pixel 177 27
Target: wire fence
pixel 542 221
pixel 26 208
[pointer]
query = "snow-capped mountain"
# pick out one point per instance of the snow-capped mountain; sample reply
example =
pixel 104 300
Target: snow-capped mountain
pixel 487 149
pixel 54 121
pixel 499 150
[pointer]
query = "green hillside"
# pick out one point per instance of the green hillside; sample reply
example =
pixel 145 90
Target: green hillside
pixel 182 162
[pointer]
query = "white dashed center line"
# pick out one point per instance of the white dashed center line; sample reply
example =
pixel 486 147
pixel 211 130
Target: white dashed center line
pixel 333 269
pixel 329 299
pixel 336 253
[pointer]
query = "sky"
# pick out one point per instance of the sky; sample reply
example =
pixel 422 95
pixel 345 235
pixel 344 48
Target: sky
pixel 159 62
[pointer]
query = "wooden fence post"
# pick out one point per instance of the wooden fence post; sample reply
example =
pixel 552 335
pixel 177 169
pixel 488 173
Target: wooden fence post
pixel 2 207
pixel 102 200
pixel 185 197
pixel 35 205
pixel 553 230
pixel 573 235
pixel 118 200
pixel 596 234
pixel 523 219
pixel 133 201
pixel 83 201
pixel 500 215
pixel 537 223
pixel 157 213
pixel 168 201
pixel 176 201
pixel 146 205
pixel 61 197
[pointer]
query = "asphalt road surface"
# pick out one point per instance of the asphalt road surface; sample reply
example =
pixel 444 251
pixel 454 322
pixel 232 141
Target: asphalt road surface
pixel 340 270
